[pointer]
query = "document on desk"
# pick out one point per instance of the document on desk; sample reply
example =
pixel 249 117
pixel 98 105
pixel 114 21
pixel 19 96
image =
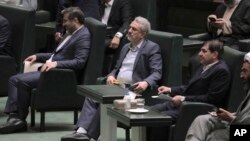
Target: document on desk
pixel 162 96
pixel 31 67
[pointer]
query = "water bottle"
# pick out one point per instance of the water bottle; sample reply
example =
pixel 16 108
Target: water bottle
pixel 128 100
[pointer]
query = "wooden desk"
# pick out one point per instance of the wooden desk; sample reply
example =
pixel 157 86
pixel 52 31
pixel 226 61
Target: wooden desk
pixel 138 122
pixel 104 94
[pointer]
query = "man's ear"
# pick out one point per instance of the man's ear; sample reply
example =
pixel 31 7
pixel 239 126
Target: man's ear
pixel 216 54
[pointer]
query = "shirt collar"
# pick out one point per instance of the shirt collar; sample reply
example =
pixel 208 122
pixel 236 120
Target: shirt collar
pixel 206 67
pixel 110 3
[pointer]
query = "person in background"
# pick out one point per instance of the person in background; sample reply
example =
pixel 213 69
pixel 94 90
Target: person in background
pixel 117 15
pixel 215 126
pixel 230 22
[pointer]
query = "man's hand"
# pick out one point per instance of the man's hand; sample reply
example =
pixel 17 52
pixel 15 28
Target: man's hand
pixel 219 23
pixel 31 59
pixel 110 80
pixel 164 89
pixel 48 65
pixel 58 36
pixel 212 18
pixel 114 44
pixel 141 86
pixel 177 100
pixel 225 115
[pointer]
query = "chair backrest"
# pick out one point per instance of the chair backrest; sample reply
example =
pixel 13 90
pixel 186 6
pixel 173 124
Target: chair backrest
pixel 171 50
pixel 22 23
pixel 234 60
pixel 93 68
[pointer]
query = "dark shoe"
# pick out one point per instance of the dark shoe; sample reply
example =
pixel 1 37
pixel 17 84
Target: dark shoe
pixel 75 137
pixel 13 125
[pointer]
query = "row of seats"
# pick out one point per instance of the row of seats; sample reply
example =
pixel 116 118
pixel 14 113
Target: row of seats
pixel 48 98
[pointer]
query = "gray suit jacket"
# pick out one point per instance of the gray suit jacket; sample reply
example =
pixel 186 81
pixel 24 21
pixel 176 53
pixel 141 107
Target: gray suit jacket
pixel 148 63
pixel 74 53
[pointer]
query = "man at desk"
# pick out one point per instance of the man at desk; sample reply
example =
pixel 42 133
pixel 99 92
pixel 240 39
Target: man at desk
pixel 139 64
pixel 72 53
pixel 209 84
pixel 215 126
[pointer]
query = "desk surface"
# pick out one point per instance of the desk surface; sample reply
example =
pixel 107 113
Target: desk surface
pixel 104 94
pixel 151 118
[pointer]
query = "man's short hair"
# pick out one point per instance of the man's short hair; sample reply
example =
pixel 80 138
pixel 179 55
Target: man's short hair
pixel 146 26
pixel 74 12
pixel 215 46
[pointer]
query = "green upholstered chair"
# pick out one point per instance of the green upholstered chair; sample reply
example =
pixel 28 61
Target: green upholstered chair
pixel 190 110
pixel 57 88
pixel 22 24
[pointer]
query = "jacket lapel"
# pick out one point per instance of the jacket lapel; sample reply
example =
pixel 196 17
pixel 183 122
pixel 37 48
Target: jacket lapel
pixel 198 75
pixel 139 54
pixel 112 9
pixel 123 54
pixel 75 35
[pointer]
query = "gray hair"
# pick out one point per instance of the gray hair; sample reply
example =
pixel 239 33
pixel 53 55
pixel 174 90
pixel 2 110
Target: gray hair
pixel 146 26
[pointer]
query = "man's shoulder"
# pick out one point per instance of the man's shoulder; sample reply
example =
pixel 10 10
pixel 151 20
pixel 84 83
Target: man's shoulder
pixel 84 31
pixel 222 65
pixel 150 44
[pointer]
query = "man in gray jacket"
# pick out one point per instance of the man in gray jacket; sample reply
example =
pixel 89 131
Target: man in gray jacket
pixel 215 125
pixel 139 64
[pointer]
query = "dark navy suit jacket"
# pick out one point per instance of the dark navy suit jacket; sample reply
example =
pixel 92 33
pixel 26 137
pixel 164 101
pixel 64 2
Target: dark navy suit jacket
pixel 120 17
pixel 209 87
pixel 148 63
pixel 5 35
pixel 74 53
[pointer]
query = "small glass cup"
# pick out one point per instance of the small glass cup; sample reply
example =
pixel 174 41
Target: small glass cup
pixel 140 102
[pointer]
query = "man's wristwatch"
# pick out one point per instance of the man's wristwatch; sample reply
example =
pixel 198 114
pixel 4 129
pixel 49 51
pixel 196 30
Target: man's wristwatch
pixel 118 35
pixel 182 98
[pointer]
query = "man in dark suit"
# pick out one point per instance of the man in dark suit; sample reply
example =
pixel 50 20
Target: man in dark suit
pixel 117 15
pixel 209 83
pixel 5 37
pixel 215 126
pixel 139 64
pixel 72 53
pixel 90 8
pixel 230 22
